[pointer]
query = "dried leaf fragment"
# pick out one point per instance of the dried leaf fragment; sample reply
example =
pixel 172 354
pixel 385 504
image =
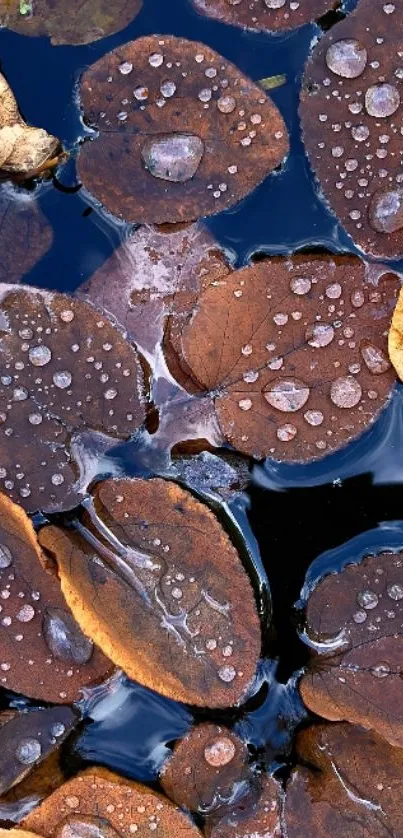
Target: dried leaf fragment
pixel 24 150
pixel 84 22
pixel 267 15
pixel 354 618
pixel 39 639
pixel 98 793
pixel 178 150
pixel 174 607
pixel 351 112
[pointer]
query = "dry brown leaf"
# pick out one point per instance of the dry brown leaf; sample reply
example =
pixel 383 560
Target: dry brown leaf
pixel 174 607
pixel 24 151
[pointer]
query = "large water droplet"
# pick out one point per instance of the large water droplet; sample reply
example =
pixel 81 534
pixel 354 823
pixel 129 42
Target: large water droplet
pixel 28 751
pixel 227 673
pixel 320 335
pixel 39 355
pixel 287 395
pixel 381 670
pixel 220 752
pixel 5 556
pixel 395 591
pixel 382 100
pixel 174 157
pixel 367 600
pixel 300 285
pixel 386 210
pixel 347 58
pixel 345 392
pixel 62 379
pixel 375 359
pixel 65 638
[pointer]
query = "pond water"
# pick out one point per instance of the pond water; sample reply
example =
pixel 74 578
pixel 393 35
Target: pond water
pixel 289 515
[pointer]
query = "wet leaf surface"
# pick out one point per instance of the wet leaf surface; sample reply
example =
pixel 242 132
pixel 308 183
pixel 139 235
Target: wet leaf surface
pixel 260 818
pixel 26 739
pixel 207 768
pixel 22 798
pixel 16 833
pixel 24 150
pixel 165 595
pixel 157 270
pixel 43 653
pixel 354 620
pixel 267 15
pixel 177 149
pixel 351 113
pixel 351 787
pixel 25 234
pixel 99 798
pixel 82 23
pixel 293 353
pixel 64 370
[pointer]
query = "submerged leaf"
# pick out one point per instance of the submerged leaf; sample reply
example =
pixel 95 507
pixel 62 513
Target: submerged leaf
pixel 178 149
pixel 208 767
pixel 255 818
pixel 351 787
pixel 120 807
pixel 24 150
pixel 173 607
pixel 351 111
pixel 271 82
pixel 292 353
pixel 80 23
pixel 64 370
pixel 39 637
pixel 354 619
pixel 25 234
pixel 267 15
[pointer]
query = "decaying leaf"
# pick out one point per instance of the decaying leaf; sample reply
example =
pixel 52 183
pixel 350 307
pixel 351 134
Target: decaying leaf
pixel 25 234
pixel 22 798
pixel 157 270
pixel 351 111
pixel 178 149
pixel 292 352
pixel 64 370
pixel 208 768
pixel 173 607
pixel 268 15
pixel 43 652
pixel 395 337
pixel 28 738
pixel 352 787
pixel 99 802
pixel 260 818
pixel 80 23
pixel 24 151
pixel 354 618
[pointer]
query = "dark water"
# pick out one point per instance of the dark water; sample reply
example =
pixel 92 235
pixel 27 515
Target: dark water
pixel 291 514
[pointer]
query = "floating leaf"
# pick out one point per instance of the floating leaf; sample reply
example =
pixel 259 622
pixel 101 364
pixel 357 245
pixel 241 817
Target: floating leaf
pixel 351 113
pixel 207 768
pixel 25 234
pixel 260 818
pixel 28 738
pixel 43 652
pixel 98 798
pixel 268 15
pixel 178 149
pixel 64 370
pixel 354 619
pixel 351 787
pixel 271 82
pixel 24 151
pixel 157 270
pixel 82 23
pixel 293 353
pixel 173 606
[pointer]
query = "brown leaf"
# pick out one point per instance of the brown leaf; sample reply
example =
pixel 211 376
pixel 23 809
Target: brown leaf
pixel 173 607
pixel 178 150
pixel 82 23
pixel 24 151
pixel 395 337
pixel 116 804
pixel 207 767
pixel 25 234
pixel 356 617
pixel 63 370
pixel 21 799
pixel 351 113
pixel 43 653
pixel 269 15
pixel 157 270
pixel 28 738
pixel 293 353
pixel 16 833
pixel 352 787
pixel 260 818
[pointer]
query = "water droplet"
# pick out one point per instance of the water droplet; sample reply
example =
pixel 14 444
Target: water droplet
pixel 62 379
pixel 25 614
pixel 285 433
pixel 347 58
pixel 85 826
pixel 374 358
pixel 386 210
pixel 274 4
pixel 125 68
pixel 227 673
pixel 357 298
pixel 333 291
pixel 39 355
pixel 395 591
pixel 320 335
pixel 300 285
pixel 314 417
pixel 57 729
pixel 367 600
pixel 168 88
pixel 174 157
pixel 287 395
pixel 345 392
pixel 67 315
pixel 220 752
pixel 360 616
pixel 28 751
pixel 245 404
pixel 5 556
pixel 156 59
pixel 250 376
pixel 382 100
pixel 381 670
pixel 64 637
pixel 226 104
